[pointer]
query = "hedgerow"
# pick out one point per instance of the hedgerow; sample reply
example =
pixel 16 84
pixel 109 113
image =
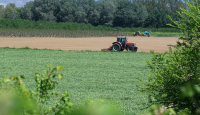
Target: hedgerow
pixel 41 24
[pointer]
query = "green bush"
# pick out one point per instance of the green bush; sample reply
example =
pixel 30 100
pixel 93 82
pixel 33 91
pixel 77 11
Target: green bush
pixel 41 24
pixel 175 78
pixel 24 101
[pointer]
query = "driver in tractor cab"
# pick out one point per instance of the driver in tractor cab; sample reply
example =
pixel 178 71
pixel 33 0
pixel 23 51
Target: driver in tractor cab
pixel 120 41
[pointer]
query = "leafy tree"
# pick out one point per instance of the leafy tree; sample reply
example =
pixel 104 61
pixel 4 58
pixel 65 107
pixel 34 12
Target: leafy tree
pixel 157 19
pixel 164 5
pixel 80 15
pixel 88 8
pixel 141 15
pixel 67 11
pixel 107 9
pixel 175 78
pixel 8 10
pixel 2 11
pixel 93 15
pixel 175 5
pixel 48 16
pixel 27 11
pixel 13 15
pixel 102 12
pixel 150 5
pixel 12 5
pixel 179 4
pixel 41 10
pixel 129 14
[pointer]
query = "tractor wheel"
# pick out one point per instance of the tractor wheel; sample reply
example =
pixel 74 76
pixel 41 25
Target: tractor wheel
pixel 122 49
pixel 130 48
pixel 116 47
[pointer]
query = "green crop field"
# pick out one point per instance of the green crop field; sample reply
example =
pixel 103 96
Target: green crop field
pixel 110 76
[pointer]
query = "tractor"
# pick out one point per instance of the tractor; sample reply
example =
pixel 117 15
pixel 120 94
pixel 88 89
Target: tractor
pixel 122 44
pixel 146 33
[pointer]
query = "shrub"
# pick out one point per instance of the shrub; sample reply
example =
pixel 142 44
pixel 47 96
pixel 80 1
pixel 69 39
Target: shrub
pixel 175 79
pixel 41 24
pixel 24 101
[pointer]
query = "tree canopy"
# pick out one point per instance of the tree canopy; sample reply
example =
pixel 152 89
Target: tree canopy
pixel 113 13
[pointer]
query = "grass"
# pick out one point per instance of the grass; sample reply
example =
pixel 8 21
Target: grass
pixel 166 34
pixel 58 33
pixel 161 34
pixel 75 33
pixel 111 76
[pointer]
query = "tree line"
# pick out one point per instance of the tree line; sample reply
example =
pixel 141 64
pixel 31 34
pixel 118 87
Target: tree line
pixel 111 13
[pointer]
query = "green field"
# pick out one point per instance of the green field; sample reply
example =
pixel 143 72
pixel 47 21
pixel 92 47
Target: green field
pixel 75 33
pixel 166 34
pixel 161 34
pixel 110 76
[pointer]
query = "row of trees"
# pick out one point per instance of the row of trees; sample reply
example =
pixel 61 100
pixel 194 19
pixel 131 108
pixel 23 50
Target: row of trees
pixel 126 13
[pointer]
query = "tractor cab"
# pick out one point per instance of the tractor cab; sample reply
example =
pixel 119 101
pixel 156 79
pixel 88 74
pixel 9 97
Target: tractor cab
pixel 122 40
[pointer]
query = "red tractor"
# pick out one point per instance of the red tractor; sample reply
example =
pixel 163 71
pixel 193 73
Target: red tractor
pixel 122 44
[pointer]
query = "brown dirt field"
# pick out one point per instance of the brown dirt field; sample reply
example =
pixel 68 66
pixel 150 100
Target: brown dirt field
pixel 144 44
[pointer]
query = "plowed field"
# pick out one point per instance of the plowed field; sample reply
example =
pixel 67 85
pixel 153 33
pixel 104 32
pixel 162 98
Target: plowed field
pixel 144 44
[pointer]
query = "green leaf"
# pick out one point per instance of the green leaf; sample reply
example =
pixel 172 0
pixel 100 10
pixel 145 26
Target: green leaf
pixel 22 76
pixel 20 82
pixel 60 76
pixel 60 68
pixel 70 104
pixel 187 91
pixel 6 80
pixel 197 88
pixel 169 112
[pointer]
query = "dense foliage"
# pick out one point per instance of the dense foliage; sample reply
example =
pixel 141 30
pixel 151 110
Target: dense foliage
pixel 28 24
pixel 110 13
pixel 175 78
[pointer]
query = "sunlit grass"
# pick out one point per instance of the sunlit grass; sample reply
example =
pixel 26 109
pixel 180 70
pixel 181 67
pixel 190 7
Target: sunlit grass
pixel 110 76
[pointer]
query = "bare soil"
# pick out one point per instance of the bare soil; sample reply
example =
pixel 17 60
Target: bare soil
pixel 144 44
